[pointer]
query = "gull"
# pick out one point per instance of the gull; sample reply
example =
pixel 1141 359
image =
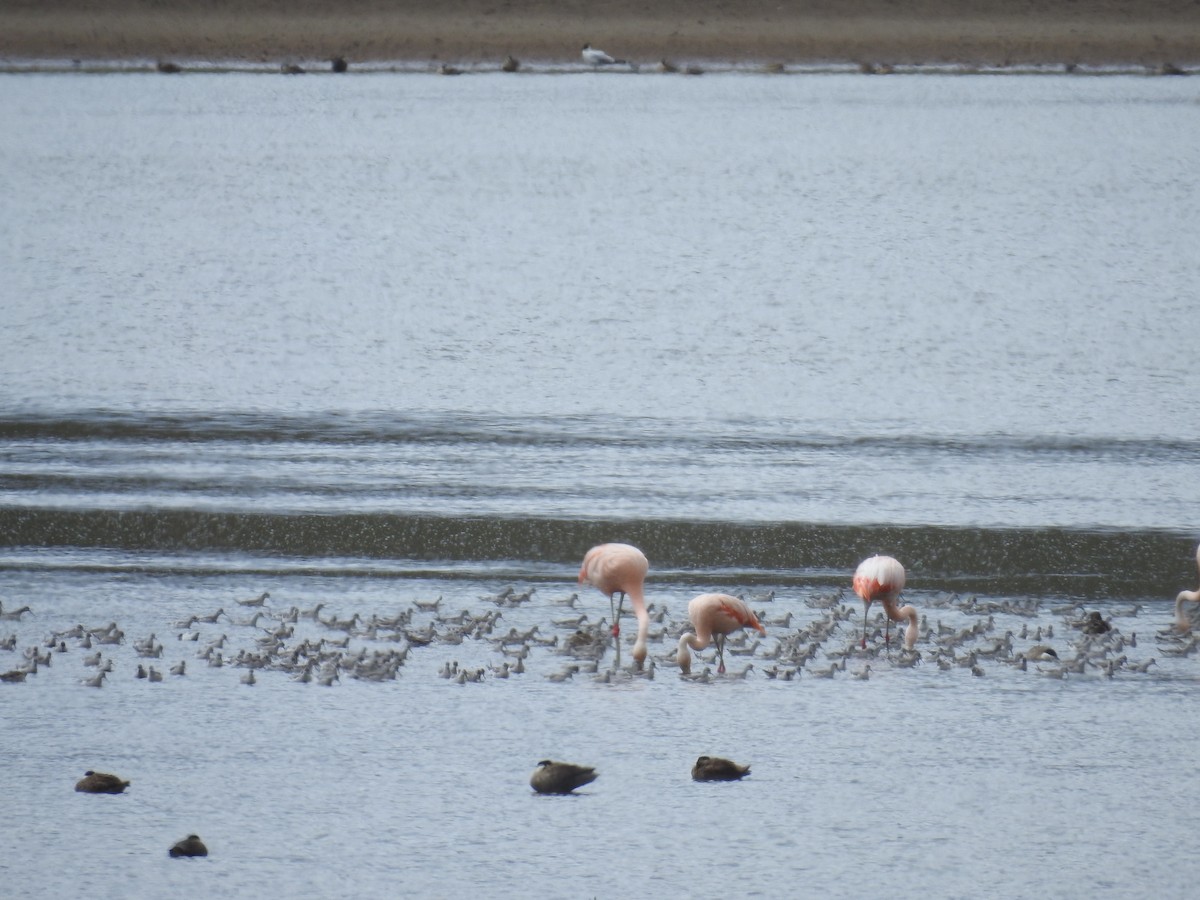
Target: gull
pixel 594 57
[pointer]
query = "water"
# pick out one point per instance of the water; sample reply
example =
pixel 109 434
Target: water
pixel 377 339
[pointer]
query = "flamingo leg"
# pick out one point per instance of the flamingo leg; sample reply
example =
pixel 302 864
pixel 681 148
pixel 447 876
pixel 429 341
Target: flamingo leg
pixel 720 642
pixel 866 610
pixel 616 627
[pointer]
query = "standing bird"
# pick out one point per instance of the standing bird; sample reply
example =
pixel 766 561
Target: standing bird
pixel 714 616
pixel 620 569
pixel 559 777
pixel 100 783
pixel 1181 617
pixel 189 846
pixel 713 768
pixel 882 578
pixel 597 58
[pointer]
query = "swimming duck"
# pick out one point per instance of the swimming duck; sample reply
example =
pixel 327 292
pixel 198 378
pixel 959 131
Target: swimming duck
pixel 714 768
pixel 189 846
pixel 560 777
pixel 100 783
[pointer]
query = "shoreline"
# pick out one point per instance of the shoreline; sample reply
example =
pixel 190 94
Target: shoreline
pixel 995 34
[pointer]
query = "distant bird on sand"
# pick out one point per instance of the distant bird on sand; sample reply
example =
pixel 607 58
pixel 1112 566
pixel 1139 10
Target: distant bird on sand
pixel 510 64
pixel 1181 617
pixel 620 569
pixel 560 777
pixel 100 783
pixel 713 617
pixel 882 578
pixel 597 58
pixel 714 768
pixel 339 64
pixel 189 846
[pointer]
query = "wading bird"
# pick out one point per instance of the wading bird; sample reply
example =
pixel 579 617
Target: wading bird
pixel 1181 617
pixel 714 616
pixel 620 569
pixel 882 578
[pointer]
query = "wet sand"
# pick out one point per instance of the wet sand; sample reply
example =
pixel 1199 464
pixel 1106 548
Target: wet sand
pixel 480 32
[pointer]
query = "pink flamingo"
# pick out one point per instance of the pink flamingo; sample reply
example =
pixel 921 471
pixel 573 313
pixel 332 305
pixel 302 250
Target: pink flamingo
pixel 620 569
pixel 714 616
pixel 1181 617
pixel 882 578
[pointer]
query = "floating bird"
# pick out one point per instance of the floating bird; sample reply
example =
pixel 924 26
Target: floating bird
pixel 1181 617
pixel 882 578
pixel 1040 653
pixel 665 65
pixel 100 783
pixel 1095 624
pixel 559 777
pixel 511 64
pixel 167 67
pixel 339 64
pixel 713 768
pixel 446 69
pixel 189 846
pixel 597 58
pixel 16 614
pixel 291 69
pixel 620 569
pixel 260 600
pixel 713 616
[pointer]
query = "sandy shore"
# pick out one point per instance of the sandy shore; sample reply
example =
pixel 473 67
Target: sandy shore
pixel 475 32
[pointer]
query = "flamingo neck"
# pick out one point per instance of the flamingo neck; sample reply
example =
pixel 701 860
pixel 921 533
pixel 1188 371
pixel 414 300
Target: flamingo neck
pixel 1181 617
pixel 913 631
pixel 683 655
pixel 643 620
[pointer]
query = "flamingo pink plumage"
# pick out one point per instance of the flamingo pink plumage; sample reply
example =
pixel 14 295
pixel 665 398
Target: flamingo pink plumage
pixel 713 617
pixel 1181 617
pixel 620 569
pixel 882 578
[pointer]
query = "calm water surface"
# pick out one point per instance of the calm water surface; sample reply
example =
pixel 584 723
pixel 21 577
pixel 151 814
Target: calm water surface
pixel 379 339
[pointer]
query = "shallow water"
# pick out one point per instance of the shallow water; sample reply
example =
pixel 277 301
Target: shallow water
pixel 380 339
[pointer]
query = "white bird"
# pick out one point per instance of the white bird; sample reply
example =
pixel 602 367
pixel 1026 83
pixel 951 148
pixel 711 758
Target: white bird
pixel 594 57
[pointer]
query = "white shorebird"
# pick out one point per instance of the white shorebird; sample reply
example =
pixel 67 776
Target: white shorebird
pixel 594 57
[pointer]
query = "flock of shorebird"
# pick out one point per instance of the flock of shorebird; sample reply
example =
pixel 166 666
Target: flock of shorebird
pixel 596 59
pixel 375 647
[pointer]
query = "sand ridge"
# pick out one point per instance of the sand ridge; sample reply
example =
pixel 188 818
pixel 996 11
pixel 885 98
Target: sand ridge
pixel 474 32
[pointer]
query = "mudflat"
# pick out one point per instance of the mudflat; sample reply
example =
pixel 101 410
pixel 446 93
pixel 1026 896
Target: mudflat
pixel 478 32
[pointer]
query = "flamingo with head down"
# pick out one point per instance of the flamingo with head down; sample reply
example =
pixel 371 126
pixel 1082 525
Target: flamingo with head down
pixel 620 569
pixel 882 578
pixel 1181 617
pixel 714 616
